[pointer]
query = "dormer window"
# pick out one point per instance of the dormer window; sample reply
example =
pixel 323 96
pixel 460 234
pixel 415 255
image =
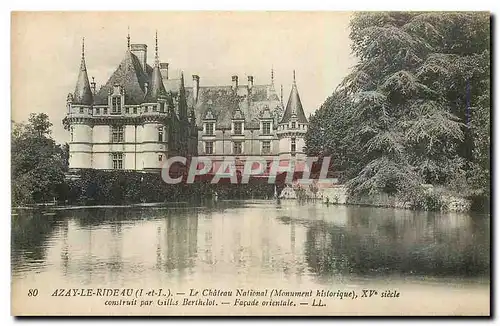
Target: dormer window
pixel 266 128
pixel 238 128
pixel 116 105
pixel 293 125
pixel 209 128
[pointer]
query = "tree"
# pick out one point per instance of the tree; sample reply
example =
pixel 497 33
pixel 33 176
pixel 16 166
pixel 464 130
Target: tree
pixel 415 108
pixel 37 162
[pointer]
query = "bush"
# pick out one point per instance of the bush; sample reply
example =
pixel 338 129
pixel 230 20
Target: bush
pixel 97 187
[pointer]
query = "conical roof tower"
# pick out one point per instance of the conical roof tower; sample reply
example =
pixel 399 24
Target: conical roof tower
pixel 83 93
pixel 294 106
pixel 156 89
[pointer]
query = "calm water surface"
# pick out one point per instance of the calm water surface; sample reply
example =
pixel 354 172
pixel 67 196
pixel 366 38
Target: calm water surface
pixel 248 244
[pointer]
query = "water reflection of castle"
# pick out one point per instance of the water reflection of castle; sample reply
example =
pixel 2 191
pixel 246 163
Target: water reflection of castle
pixel 112 246
pixel 162 243
pixel 180 243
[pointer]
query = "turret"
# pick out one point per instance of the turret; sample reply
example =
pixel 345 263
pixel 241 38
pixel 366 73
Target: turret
pixel 182 100
pixel 156 89
pixel 293 125
pixel 154 131
pixel 79 106
pixel 294 110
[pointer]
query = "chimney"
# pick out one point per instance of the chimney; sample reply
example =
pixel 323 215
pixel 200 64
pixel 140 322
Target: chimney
pixel 164 70
pixel 141 52
pixel 235 82
pixel 196 87
pixel 250 82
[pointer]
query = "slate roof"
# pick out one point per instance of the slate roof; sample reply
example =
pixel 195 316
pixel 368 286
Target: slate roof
pixel 156 87
pixel 294 106
pixel 223 102
pixel 83 93
pixel 131 76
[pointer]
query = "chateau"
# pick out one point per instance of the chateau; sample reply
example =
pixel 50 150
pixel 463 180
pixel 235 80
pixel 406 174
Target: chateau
pixel 141 116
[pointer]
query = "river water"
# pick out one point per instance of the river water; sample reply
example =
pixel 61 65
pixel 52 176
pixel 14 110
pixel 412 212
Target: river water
pixel 437 263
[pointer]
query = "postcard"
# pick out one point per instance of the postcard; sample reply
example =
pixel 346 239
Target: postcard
pixel 250 163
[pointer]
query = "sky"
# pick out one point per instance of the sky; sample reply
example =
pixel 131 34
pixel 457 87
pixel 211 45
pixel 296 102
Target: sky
pixel 46 52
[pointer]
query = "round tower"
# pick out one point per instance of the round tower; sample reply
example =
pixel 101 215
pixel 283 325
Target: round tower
pixel 79 114
pixel 154 112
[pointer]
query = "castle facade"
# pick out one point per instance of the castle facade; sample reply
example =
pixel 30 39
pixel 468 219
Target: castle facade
pixel 140 117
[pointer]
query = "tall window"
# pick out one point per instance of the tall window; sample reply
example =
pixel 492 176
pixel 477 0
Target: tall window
pixel 209 128
pixel 160 134
pixel 72 130
pixel 238 128
pixel 266 147
pixel 117 134
pixel 105 111
pixel 117 161
pixel 116 105
pixel 209 147
pixel 294 146
pixel 81 110
pixel 266 128
pixel 162 107
pixel 237 147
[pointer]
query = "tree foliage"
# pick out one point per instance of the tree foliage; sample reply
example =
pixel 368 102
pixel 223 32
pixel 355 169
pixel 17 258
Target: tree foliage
pixel 37 162
pixel 415 109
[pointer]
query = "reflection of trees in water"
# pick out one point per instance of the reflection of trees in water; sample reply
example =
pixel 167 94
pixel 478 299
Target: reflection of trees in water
pixel 94 217
pixel 30 231
pixel 393 241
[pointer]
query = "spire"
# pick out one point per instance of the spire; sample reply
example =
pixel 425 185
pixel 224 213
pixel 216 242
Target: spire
pixel 157 59
pixel 83 93
pixel 272 75
pixel 281 95
pixel 182 90
pixel 156 88
pixel 294 106
pixel 183 114
pixel 83 47
pixel 128 37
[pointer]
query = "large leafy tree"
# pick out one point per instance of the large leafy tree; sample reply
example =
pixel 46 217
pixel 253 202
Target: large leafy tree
pixel 415 108
pixel 37 162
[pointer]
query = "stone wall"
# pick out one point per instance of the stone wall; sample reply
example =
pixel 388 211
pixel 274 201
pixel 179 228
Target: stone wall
pixel 337 194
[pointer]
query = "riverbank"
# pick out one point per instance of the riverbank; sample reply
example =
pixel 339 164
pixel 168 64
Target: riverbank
pixel 433 199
